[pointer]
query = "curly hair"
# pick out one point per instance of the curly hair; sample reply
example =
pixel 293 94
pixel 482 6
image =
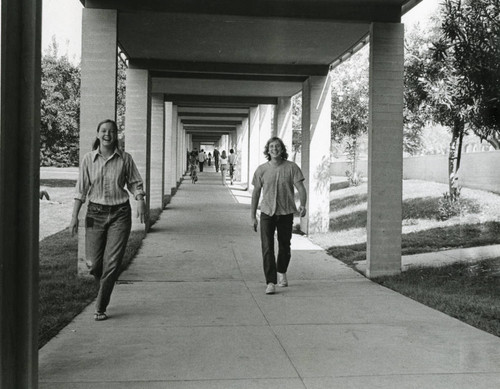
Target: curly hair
pixel 284 154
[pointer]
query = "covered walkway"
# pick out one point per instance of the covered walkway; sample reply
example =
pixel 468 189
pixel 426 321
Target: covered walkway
pixel 191 312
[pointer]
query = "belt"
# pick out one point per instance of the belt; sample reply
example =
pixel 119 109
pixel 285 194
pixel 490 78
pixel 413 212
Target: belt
pixel 110 208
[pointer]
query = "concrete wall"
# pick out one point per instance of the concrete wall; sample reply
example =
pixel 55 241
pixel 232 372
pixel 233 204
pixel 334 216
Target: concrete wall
pixel 477 170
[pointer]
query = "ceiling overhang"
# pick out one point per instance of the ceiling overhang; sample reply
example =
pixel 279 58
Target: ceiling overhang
pixel 236 54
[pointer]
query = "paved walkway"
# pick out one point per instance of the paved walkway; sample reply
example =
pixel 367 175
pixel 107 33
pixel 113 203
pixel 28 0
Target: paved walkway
pixel 191 313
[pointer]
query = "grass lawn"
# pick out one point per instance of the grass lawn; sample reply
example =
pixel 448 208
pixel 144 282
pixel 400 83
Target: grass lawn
pixel 468 292
pixel 63 295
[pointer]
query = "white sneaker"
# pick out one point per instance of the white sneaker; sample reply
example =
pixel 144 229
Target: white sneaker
pixel 271 289
pixel 282 281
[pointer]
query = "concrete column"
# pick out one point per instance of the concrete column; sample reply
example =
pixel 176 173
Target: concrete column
pixel 157 151
pixel 284 122
pixel 173 150
pixel 266 117
pixel 168 149
pixel 242 142
pixel 138 131
pixel 385 149
pixel 98 91
pixel 19 192
pixel 316 117
pixel 178 153
pixel 253 141
pixel 182 152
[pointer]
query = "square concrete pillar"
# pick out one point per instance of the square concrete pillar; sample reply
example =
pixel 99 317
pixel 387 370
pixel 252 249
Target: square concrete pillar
pixel 173 149
pixel 316 118
pixel 243 151
pixel 168 149
pixel 181 152
pixel 253 140
pixel 266 119
pixel 178 159
pixel 385 149
pixel 20 71
pixel 138 131
pixel 283 122
pixel 157 151
pixel 97 91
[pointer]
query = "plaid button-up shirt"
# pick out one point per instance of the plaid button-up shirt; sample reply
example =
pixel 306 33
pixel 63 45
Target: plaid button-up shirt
pixel 103 180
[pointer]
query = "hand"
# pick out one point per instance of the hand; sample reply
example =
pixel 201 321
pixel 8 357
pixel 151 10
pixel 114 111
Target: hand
pixel 73 226
pixel 302 211
pixel 141 211
pixel 255 223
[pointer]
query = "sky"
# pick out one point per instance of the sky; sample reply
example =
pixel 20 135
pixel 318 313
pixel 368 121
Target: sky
pixel 63 19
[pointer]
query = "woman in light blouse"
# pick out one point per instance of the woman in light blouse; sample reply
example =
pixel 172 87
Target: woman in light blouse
pixel 223 166
pixel 104 173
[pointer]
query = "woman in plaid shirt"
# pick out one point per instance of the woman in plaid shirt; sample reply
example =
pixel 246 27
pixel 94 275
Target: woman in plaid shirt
pixel 104 174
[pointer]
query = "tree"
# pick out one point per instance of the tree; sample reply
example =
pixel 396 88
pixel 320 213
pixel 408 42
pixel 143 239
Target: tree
pixel 120 95
pixel 60 110
pixel 471 40
pixel 455 76
pixel 296 124
pixel 349 119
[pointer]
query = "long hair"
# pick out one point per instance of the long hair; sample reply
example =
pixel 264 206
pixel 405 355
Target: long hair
pixel 223 154
pixel 284 154
pixel 96 143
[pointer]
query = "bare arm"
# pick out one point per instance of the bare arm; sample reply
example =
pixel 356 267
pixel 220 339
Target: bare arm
pixel 73 225
pixel 302 197
pixel 253 208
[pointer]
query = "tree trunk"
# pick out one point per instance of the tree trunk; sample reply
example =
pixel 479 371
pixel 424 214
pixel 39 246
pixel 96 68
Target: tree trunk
pixel 454 158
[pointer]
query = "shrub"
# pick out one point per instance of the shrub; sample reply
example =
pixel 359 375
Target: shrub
pixel 447 207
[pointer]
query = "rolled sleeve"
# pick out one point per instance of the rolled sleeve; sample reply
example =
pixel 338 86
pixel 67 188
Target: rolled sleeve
pixel 83 182
pixel 135 185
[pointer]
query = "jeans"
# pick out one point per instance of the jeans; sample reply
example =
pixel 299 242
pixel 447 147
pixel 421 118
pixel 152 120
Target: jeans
pixel 268 225
pixel 107 228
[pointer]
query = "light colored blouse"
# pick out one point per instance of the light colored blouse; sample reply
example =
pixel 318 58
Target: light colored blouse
pixel 223 161
pixel 103 180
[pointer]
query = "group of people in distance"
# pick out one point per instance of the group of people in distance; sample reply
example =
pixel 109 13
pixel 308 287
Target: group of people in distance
pixel 107 170
pixel 223 162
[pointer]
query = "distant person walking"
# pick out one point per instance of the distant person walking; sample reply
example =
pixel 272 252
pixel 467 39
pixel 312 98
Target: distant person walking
pixel 216 160
pixel 209 159
pixel 193 166
pixel 104 173
pixel 276 179
pixel 232 164
pixel 223 166
pixel 201 159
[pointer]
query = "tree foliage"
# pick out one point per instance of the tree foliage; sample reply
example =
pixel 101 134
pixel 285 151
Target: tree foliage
pixel 470 40
pixel 60 110
pixel 349 120
pixel 454 75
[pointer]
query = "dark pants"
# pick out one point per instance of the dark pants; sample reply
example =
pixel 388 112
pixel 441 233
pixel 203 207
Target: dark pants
pixel 201 166
pixel 268 225
pixel 107 228
pixel 216 164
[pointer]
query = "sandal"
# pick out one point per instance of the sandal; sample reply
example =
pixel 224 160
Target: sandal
pixel 100 316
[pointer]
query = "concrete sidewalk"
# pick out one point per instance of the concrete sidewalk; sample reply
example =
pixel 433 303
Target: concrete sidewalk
pixel 191 313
